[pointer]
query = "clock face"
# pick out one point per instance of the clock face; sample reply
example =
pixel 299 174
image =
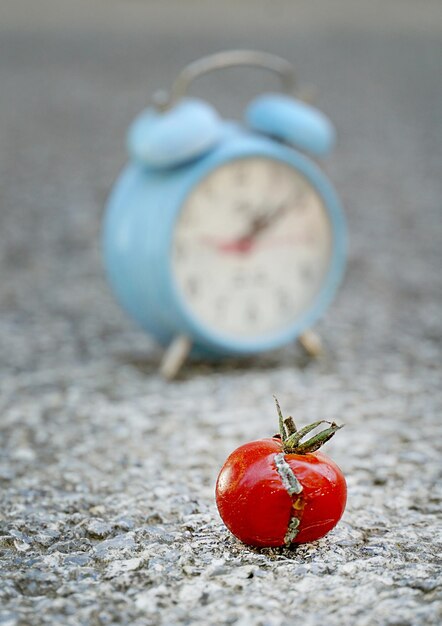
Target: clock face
pixel 251 247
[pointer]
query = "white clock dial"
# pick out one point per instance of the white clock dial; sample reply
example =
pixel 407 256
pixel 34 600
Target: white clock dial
pixel 251 247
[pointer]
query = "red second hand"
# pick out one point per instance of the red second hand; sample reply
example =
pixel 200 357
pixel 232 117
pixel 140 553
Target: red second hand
pixel 245 245
pixel 241 246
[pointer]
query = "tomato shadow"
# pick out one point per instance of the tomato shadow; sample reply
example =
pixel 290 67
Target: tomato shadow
pixel 277 553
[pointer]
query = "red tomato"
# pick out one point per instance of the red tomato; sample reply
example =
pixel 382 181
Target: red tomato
pixel 267 496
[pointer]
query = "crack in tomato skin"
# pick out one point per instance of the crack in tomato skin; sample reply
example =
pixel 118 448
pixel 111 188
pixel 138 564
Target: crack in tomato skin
pixel 288 477
pixel 292 531
pixel 294 527
pixel 294 488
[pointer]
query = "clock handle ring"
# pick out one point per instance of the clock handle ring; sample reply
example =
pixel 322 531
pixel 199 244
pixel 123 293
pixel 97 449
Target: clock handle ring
pixel 226 59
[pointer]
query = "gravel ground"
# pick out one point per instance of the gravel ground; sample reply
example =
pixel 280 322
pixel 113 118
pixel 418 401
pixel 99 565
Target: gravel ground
pixel 107 513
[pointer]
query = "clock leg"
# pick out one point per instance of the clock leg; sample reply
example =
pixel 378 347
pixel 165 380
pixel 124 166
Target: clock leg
pixel 311 342
pixel 174 356
pixel 308 94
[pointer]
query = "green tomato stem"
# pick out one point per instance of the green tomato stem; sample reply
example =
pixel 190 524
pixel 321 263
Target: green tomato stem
pixel 291 437
pixel 282 431
pixel 318 440
pixel 290 425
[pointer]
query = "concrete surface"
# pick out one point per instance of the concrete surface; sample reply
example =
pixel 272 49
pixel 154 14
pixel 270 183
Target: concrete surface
pixel 107 513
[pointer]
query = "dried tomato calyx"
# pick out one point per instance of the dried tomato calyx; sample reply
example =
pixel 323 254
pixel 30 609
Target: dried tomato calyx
pixel 292 438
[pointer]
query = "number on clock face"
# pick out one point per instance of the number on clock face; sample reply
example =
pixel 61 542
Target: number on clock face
pixel 251 247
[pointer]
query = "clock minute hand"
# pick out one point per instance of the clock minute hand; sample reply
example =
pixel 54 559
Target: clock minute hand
pixel 263 221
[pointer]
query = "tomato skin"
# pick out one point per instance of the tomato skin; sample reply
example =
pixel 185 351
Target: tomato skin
pixel 256 506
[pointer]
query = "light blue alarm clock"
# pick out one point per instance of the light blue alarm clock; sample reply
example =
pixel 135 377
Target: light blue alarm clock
pixel 224 238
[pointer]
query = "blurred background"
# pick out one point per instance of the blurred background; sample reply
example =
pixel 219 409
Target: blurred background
pixel 107 472
pixel 74 74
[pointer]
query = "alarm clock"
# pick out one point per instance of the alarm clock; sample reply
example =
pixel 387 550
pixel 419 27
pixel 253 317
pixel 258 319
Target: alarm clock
pixel 224 237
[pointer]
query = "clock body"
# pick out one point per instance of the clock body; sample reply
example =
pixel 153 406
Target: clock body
pixel 240 249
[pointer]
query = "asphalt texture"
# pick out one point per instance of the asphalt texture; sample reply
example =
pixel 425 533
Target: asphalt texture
pixel 107 472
